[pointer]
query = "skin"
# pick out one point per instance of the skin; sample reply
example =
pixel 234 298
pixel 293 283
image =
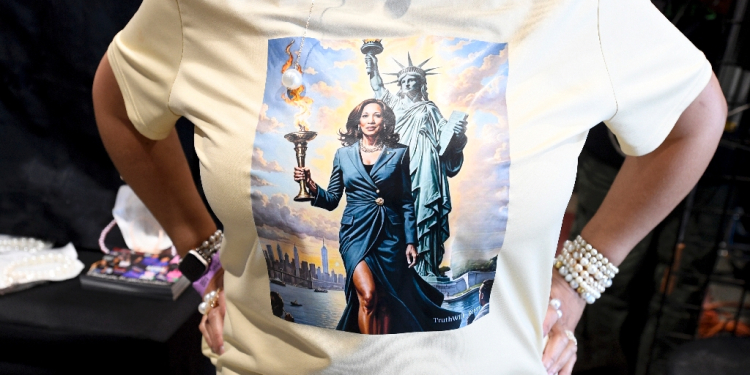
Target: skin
pixel 647 188
pixel 645 191
pixel 373 317
pixel 159 174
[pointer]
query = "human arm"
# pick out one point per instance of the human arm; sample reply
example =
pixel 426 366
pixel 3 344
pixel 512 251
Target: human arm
pixel 156 170
pixel 645 190
pixel 328 199
pixel 407 207
pixel 212 323
pixel 376 81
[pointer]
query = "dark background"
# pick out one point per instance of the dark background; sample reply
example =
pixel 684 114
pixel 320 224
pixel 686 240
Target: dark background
pixel 56 180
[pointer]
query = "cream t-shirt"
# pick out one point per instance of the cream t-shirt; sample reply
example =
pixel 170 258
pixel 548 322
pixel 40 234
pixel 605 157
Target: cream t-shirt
pixel 530 77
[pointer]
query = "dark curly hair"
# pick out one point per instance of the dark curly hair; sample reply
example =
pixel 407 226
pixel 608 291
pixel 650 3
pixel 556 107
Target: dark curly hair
pixel 353 133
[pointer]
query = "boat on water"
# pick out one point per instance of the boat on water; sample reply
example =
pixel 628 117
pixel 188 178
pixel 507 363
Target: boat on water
pixel 321 290
pixel 295 303
pixel 278 282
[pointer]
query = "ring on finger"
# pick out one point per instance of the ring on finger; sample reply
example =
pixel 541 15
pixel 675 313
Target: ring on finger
pixel 571 337
pixel 556 304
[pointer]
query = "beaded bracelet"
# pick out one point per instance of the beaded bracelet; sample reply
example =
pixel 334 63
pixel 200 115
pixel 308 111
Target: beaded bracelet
pixel 210 300
pixel 587 271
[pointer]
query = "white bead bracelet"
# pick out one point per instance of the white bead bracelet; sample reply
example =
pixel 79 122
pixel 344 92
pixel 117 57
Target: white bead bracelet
pixel 586 270
pixel 210 300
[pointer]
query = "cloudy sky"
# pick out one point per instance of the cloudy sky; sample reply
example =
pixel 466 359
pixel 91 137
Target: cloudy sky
pixel 471 77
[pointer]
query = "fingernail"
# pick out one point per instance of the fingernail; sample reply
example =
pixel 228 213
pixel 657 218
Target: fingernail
pixel 221 349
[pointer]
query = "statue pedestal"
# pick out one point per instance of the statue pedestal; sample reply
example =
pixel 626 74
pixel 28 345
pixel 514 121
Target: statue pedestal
pixel 436 279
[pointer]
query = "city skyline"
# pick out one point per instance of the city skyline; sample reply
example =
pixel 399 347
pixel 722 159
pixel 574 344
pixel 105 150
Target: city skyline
pixel 334 260
pixel 294 272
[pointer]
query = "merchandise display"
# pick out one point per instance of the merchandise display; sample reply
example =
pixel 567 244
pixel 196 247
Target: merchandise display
pixel 139 228
pixel 27 262
pixel 131 272
pixel 11 244
pixel 49 267
pixel 149 268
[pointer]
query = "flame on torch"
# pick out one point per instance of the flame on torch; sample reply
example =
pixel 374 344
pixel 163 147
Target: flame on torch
pixel 295 97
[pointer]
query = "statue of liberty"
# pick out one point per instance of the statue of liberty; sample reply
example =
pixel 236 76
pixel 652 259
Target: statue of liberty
pixel 435 149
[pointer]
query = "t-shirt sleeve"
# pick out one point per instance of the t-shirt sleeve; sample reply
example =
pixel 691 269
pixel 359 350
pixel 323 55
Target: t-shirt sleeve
pixel 654 70
pixel 145 57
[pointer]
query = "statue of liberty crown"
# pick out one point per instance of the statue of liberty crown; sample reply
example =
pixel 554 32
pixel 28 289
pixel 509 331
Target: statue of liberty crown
pixel 411 69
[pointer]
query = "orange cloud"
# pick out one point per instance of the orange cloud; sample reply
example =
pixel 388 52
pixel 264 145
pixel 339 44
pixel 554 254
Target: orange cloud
pixel 260 163
pixel 268 124
pixel 327 91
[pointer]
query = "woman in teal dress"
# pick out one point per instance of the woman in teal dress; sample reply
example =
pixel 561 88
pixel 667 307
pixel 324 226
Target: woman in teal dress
pixel 384 294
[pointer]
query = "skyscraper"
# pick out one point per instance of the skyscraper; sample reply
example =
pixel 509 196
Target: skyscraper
pixel 324 256
pixel 278 251
pixel 269 250
pixel 296 261
pixel 303 269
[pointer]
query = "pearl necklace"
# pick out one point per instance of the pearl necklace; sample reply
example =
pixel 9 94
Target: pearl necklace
pixel 27 244
pixel 292 77
pixel 372 149
pixel 54 267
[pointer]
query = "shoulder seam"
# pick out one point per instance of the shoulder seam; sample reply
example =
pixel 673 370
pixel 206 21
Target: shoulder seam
pixel 179 64
pixel 604 59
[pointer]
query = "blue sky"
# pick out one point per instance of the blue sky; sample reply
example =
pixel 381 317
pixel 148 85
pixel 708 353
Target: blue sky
pixel 472 77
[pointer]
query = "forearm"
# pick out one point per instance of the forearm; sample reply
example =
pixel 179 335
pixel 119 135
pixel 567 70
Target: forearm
pixel 376 81
pixel 156 170
pixel 377 85
pixel 648 187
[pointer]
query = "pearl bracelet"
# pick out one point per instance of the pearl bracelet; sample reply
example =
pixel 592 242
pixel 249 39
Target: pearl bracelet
pixel 587 271
pixel 210 300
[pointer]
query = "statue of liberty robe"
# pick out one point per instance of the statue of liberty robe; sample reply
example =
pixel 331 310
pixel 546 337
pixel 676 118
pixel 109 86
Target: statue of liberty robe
pixel 419 126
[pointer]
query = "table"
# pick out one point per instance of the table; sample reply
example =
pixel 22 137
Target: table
pixel 61 328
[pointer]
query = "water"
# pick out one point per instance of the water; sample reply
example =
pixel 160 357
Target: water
pixel 466 305
pixel 318 309
pixel 325 309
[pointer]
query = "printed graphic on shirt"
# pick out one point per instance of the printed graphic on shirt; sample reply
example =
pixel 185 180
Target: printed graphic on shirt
pixel 380 185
